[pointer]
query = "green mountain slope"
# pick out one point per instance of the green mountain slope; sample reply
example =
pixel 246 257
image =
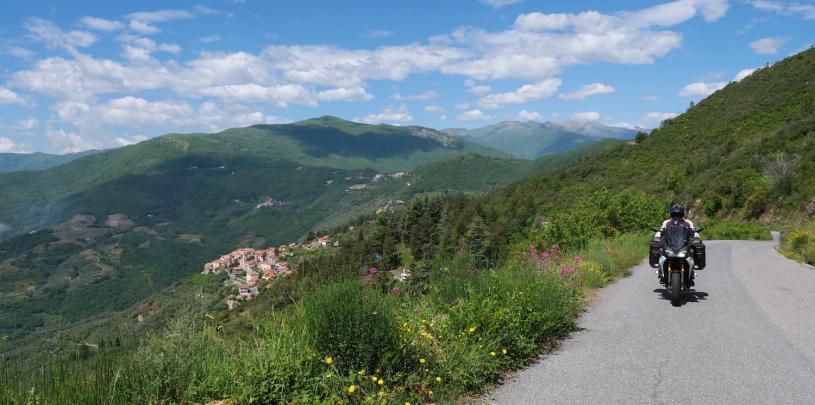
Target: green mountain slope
pixel 529 140
pixel 13 162
pixel 743 152
pixel 123 225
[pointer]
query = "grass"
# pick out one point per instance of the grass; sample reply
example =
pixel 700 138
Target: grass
pixel 352 341
pixel 736 230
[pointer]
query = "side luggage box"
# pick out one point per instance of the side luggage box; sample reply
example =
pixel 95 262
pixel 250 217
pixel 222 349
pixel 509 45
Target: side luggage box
pixel 699 254
pixel 655 252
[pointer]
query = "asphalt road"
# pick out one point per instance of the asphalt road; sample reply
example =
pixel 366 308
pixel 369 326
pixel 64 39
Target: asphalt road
pixel 746 335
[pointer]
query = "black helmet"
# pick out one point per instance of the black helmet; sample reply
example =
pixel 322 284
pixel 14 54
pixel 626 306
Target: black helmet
pixel 677 211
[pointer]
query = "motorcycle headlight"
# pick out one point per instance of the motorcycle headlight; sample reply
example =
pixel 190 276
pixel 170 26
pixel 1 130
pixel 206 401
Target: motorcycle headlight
pixel 682 253
pixel 670 253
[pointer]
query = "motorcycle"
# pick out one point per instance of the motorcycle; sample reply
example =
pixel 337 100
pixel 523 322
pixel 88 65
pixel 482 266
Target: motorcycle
pixel 677 254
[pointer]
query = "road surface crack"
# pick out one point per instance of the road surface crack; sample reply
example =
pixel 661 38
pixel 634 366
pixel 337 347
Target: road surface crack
pixel 660 377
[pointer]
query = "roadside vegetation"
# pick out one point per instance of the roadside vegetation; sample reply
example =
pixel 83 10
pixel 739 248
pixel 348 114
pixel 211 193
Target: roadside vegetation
pixel 800 245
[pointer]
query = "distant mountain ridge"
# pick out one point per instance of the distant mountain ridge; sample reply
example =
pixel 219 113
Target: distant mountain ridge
pixel 12 162
pixel 530 139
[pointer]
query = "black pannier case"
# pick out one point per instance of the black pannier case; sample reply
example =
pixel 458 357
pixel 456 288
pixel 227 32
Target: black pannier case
pixel 654 252
pixel 699 255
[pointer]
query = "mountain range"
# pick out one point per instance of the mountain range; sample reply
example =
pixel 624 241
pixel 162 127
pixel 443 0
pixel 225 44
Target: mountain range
pixel 531 139
pixel 103 232
pixel 13 162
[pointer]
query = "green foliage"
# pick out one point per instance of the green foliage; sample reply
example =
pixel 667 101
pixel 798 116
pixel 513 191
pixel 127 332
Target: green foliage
pixel 12 162
pixel 736 230
pixel 355 326
pixel 603 213
pixel 800 245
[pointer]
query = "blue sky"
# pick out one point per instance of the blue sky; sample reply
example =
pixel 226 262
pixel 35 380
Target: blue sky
pixel 83 75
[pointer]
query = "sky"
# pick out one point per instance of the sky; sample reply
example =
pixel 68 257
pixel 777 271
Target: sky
pixel 100 74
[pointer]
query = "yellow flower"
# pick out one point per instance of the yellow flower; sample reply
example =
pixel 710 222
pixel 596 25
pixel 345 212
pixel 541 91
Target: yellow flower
pixel 381 393
pixel 373 378
pixel 431 324
pixel 328 375
pixel 438 379
pixel 380 382
pixel 407 403
pixel 504 351
pixel 329 360
pixel 492 353
pixel 422 361
pixel 361 372
pixel 429 392
pixel 351 389
pixel 423 333
pixel 472 329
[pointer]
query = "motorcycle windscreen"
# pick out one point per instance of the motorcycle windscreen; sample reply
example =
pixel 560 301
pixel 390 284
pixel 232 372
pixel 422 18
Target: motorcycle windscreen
pixel 675 235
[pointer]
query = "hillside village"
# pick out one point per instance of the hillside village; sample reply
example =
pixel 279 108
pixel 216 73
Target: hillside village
pixel 248 268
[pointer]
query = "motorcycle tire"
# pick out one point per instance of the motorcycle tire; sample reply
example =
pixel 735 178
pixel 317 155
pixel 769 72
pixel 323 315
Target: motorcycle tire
pixel 676 286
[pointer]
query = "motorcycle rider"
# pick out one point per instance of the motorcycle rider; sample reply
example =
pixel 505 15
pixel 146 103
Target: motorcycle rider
pixel 676 212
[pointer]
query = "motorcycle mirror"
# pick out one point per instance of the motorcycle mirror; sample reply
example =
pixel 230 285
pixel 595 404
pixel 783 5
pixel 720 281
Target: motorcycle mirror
pixel 697 230
pixel 655 229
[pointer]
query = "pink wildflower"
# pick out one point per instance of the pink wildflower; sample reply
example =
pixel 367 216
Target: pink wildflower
pixel 396 290
pixel 577 260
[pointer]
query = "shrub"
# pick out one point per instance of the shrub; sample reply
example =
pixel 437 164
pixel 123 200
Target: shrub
pixel 801 245
pixel 355 326
pixel 592 275
pixel 736 230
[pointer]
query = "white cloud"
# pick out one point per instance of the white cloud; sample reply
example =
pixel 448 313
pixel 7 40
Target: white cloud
pixel 159 16
pixel 500 3
pixel 101 24
pixel 428 95
pixel 524 94
pixel 702 89
pixel 528 116
pixel 588 91
pixel 9 97
pixel 18 52
pixel 124 141
pixel 69 142
pixel 279 95
pixel 142 22
pixel 345 94
pixel 805 11
pixel 477 89
pixel 473 115
pixel 768 46
pixel 376 34
pixel 48 33
pixel 210 38
pixel 398 115
pixel 8 146
pixel 143 27
pixel 587 116
pixel 434 109
pixel 657 117
pixel 28 124
pixel 744 73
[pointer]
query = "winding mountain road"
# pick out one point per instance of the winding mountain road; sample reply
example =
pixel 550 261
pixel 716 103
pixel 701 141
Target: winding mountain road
pixel 746 335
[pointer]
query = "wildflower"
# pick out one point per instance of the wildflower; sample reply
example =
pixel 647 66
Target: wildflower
pixel 567 270
pixel 361 372
pixel 429 392
pixel 407 403
pixel 438 379
pixel 472 329
pixel 504 351
pixel 373 270
pixel 423 334
pixel 381 393
pixel 329 360
pixel 380 382
pixel 577 260
pixel 374 378
pixel 396 290
pixel 352 388
pixel 328 375
pixel 492 354
pixel 422 360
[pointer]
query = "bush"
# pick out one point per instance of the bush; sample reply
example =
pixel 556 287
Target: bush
pixel 800 245
pixel 736 230
pixel 355 326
